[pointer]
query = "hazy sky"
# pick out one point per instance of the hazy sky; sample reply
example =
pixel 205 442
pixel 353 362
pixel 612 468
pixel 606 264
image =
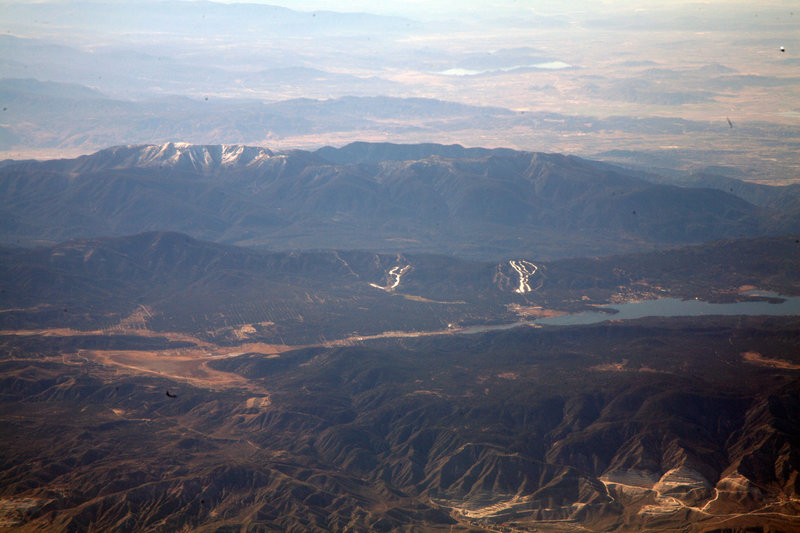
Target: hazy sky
pixel 672 60
pixel 425 8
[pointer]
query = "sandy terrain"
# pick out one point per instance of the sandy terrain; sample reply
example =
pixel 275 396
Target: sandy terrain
pixel 182 364
pixel 533 311
pixel 758 359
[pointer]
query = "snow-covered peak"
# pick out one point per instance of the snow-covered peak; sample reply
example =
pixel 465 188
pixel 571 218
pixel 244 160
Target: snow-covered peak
pixel 181 156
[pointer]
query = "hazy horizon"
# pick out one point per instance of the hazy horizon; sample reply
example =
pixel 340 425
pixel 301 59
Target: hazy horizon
pixel 715 66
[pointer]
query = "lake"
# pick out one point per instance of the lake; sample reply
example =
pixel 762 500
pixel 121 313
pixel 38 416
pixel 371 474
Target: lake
pixel 676 307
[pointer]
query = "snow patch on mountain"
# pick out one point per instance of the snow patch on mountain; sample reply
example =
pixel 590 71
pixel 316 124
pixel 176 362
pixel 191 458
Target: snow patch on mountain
pixel 177 155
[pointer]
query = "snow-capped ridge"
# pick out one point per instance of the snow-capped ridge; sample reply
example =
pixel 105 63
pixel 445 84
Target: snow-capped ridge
pixel 177 155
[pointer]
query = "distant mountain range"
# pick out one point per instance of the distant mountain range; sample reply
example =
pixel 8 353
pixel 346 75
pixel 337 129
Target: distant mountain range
pixel 68 116
pixel 50 119
pixel 475 203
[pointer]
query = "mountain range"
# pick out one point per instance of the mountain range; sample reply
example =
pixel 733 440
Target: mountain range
pixel 475 203
pixel 250 283
pixel 340 372
pixel 47 119
pixel 171 282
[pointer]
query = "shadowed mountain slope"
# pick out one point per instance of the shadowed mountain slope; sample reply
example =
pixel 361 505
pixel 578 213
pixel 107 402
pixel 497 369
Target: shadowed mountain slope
pixel 469 202
pixel 171 282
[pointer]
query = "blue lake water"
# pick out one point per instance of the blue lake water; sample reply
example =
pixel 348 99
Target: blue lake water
pixel 675 307
pixel 661 307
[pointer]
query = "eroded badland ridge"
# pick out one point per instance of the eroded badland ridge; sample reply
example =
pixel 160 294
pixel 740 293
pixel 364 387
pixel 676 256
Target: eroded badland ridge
pixel 528 430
